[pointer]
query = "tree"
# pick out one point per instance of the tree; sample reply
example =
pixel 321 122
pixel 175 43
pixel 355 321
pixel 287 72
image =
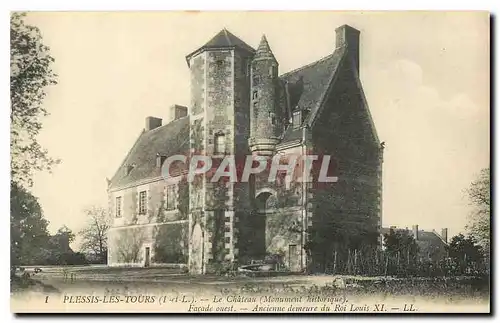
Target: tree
pixel 94 235
pixel 479 195
pixel 28 228
pixel 128 243
pixel 58 250
pixel 402 250
pixel 465 251
pixel 31 73
pixel 62 239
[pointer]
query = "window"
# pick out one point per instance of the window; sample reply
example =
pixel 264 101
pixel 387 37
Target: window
pixel 255 104
pixel 272 116
pixel 228 239
pixel 220 143
pixel 271 70
pixel 170 201
pixel 297 120
pixel 255 94
pixel 255 80
pixel 228 229
pixel 118 206
pixel 142 202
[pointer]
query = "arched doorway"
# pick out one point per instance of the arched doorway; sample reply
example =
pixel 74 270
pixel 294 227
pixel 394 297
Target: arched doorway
pixel 265 205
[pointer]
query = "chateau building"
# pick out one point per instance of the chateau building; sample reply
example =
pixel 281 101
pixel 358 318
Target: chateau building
pixel 241 105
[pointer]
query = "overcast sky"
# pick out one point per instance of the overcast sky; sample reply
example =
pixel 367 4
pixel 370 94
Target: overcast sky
pixel 425 75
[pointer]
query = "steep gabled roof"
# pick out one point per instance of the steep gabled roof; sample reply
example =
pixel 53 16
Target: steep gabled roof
pixel 224 39
pixel 167 140
pixel 308 86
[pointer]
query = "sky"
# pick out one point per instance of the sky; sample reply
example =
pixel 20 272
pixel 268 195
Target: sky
pixel 425 76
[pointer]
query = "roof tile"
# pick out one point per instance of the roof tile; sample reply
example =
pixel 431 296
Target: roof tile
pixel 167 140
pixel 308 84
pixel 225 39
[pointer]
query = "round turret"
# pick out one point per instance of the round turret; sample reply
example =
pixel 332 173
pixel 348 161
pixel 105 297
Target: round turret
pixel 264 118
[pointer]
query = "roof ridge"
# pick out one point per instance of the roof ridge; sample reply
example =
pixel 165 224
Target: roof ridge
pixel 308 65
pixel 227 37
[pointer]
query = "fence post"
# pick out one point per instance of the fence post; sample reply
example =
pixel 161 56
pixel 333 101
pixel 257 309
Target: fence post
pixel 355 261
pixel 335 261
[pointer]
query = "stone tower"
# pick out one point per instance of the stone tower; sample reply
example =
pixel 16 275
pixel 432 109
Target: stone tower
pixel 219 126
pixel 265 119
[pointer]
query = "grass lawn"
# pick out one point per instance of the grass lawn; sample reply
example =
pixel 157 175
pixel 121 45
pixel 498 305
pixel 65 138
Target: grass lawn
pixel 101 280
pixel 102 277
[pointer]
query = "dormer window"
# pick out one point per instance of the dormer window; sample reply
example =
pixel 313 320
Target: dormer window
pixel 220 143
pixel 160 159
pixel 297 119
pixel 129 169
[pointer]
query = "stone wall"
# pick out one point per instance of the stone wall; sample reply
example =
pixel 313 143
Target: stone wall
pixel 346 213
pixel 274 224
pixel 132 233
pixel 197 84
pixel 167 242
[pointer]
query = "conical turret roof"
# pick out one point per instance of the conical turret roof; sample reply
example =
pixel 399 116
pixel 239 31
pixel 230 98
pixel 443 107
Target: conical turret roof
pixel 264 51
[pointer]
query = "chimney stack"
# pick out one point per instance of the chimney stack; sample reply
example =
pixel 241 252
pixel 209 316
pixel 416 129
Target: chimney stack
pixel 178 111
pixel 415 232
pixel 444 234
pixel 349 37
pixel 152 123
